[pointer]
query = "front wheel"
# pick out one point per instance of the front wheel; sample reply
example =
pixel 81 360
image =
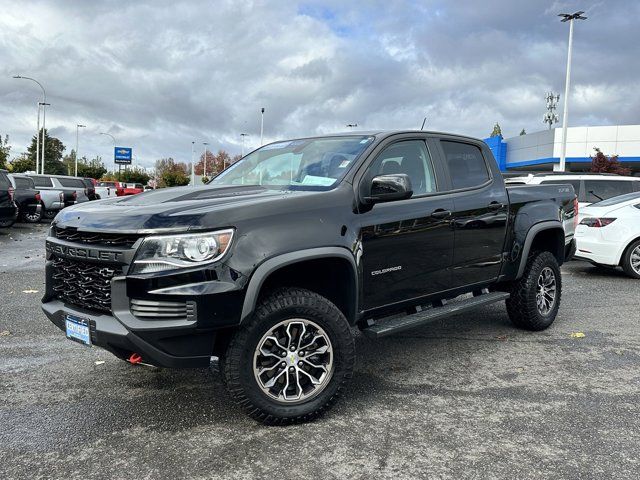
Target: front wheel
pixel 535 298
pixel 292 360
pixel 34 217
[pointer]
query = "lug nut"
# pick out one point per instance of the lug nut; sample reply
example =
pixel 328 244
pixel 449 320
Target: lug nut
pixel 283 364
pixel 291 369
pixel 282 354
pixel 293 348
pixel 301 354
pixel 300 363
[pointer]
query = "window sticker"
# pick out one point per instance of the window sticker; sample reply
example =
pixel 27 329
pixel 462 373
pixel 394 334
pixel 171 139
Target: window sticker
pixel 318 181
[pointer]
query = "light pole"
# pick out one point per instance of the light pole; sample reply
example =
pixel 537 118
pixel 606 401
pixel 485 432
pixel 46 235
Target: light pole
pixel 114 150
pixel 566 17
pixel 193 170
pixel 44 99
pixel 261 126
pixel 204 169
pixel 243 135
pixel 78 127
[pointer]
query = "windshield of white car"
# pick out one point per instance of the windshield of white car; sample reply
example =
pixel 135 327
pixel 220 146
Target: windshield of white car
pixel 616 200
pixel 305 164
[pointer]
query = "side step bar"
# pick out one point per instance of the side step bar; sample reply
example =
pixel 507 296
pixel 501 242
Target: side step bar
pixel 436 313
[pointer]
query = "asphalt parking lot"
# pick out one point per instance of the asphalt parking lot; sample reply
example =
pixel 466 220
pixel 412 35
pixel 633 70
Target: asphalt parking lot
pixel 469 397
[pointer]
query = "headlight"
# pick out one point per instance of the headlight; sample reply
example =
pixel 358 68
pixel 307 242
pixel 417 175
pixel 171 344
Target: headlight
pixel 170 252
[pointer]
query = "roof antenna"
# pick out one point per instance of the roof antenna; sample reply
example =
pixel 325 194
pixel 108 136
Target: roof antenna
pixel 423 122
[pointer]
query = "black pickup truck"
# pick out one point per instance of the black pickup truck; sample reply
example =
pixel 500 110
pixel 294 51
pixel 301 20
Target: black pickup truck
pixel 271 265
pixel 8 207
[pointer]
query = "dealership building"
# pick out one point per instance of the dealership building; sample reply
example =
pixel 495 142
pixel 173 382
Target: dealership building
pixel 539 151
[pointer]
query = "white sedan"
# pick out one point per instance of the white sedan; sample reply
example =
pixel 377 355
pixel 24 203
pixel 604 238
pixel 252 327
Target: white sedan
pixel 609 233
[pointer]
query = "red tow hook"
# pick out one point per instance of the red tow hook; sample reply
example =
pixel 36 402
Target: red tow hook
pixel 134 359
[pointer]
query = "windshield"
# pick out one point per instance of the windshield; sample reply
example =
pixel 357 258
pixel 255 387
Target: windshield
pixel 616 200
pixel 307 164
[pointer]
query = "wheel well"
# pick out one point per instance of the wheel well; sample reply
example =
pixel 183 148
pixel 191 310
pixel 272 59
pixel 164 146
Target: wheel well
pixel 626 248
pixel 550 240
pixel 333 278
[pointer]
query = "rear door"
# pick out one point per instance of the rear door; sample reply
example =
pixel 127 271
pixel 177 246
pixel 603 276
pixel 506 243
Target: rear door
pixel 480 211
pixel 407 245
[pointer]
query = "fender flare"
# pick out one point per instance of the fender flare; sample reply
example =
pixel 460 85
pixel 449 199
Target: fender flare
pixel 266 268
pixel 531 234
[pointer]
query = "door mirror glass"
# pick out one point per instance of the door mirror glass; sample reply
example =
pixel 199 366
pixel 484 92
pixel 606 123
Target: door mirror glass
pixel 387 188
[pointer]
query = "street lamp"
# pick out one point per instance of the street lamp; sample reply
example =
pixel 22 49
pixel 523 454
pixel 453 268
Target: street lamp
pixel 78 127
pixel 44 99
pixel 114 150
pixel 261 125
pixel 193 171
pixel 44 114
pixel 204 169
pixel 567 17
pixel 243 135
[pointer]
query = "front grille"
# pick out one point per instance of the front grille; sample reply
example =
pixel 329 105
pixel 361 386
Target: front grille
pixel 162 309
pixel 87 285
pixel 96 238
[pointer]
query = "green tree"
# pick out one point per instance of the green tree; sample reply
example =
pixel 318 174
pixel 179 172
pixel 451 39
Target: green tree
pixel 134 175
pixel 5 148
pixel 93 168
pixel 53 152
pixel 171 173
pixel 23 163
pixel 497 131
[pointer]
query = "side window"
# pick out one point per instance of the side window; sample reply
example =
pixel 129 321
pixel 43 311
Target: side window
pixel 410 157
pixel 42 181
pixel 70 182
pixel 575 183
pixel 597 190
pixel 466 164
pixel 4 181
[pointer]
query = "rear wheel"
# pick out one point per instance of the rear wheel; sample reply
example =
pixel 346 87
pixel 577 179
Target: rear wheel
pixel 292 360
pixel 7 223
pixel 535 298
pixel 631 260
pixel 49 214
pixel 34 217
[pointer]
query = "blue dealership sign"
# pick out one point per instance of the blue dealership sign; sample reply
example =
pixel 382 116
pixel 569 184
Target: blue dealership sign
pixel 122 155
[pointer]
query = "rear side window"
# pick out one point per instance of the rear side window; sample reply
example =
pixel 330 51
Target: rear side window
pixel 23 183
pixel 575 183
pixel 42 181
pixel 466 164
pixel 4 181
pixel 597 190
pixel 71 182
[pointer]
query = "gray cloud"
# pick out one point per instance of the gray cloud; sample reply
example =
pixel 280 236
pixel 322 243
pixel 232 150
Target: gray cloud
pixel 161 74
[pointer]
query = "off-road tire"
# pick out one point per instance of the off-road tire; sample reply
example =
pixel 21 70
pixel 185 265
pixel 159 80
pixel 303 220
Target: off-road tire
pixel 236 365
pixel 522 306
pixel 626 260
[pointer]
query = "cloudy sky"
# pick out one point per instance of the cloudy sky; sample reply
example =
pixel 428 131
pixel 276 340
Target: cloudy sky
pixel 160 74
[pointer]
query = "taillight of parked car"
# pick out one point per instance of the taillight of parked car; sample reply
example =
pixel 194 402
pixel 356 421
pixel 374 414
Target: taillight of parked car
pixel 576 211
pixel 11 192
pixel 38 198
pixel 597 222
pixel 74 195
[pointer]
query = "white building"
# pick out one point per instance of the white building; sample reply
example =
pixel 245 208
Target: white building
pixel 541 150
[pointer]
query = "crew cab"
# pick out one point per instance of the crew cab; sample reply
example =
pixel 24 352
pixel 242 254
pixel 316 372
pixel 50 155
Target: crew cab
pixel 73 188
pixel 108 189
pixel 27 199
pixel 52 201
pixel 8 208
pixel 270 265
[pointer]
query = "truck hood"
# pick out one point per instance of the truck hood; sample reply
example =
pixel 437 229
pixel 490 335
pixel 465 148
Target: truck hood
pixel 171 209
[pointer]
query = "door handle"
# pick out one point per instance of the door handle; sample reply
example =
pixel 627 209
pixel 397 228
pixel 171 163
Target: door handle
pixel 440 213
pixel 493 206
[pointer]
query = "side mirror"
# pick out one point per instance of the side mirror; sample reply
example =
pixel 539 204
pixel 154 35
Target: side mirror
pixel 387 188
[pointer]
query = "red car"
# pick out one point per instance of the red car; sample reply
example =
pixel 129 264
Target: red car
pixel 131 189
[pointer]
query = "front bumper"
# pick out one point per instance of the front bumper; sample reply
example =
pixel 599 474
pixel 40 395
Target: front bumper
pixel 213 296
pixel 109 333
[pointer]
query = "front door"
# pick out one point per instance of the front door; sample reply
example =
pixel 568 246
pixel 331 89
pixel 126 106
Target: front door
pixel 407 245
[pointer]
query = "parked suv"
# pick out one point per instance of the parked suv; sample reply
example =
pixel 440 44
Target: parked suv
pixel 8 208
pixel 590 187
pixel 270 265
pixel 27 199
